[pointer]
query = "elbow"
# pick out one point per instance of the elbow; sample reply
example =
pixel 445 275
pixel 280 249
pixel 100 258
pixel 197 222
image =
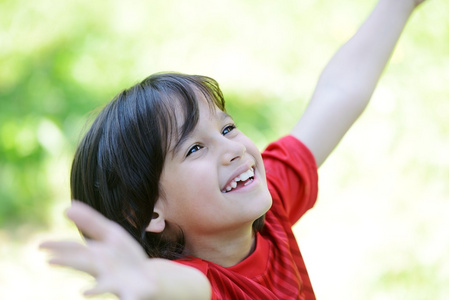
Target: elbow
pixel 351 97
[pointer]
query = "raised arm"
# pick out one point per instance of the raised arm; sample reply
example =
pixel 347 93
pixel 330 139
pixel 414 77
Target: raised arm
pixel 349 79
pixel 119 264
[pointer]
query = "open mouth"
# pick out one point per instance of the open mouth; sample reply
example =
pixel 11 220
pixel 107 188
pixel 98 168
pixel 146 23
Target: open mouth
pixel 240 181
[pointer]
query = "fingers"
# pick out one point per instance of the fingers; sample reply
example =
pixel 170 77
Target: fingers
pixel 418 2
pixel 110 254
pixel 109 287
pixel 99 228
pixel 70 254
pixel 126 285
pixel 89 221
pixel 100 288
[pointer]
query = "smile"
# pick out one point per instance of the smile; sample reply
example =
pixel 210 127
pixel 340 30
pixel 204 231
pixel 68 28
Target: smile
pixel 242 180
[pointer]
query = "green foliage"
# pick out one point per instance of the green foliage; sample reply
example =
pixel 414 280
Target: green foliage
pixel 62 59
pixel 41 107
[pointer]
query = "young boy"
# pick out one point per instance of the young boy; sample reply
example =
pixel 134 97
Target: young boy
pixel 225 257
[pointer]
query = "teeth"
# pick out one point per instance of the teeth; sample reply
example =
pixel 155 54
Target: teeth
pixel 248 182
pixel 245 175
pixel 242 177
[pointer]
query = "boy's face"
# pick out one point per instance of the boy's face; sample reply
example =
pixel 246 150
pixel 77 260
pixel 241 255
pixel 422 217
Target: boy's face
pixel 214 184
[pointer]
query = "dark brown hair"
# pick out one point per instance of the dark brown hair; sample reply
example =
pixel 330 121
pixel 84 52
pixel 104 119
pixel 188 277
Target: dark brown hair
pixel 118 164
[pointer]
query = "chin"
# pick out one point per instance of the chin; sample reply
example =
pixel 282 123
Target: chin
pixel 268 201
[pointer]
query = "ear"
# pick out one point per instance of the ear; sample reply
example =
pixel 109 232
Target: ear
pixel 157 223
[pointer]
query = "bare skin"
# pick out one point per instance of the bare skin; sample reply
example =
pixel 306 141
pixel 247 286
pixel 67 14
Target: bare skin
pixel 118 263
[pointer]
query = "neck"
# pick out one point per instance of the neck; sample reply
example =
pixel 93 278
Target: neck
pixel 225 250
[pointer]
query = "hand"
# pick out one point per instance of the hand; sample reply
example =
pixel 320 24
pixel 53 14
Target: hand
pixel 418 2
pixel 112 256
pixel 409 3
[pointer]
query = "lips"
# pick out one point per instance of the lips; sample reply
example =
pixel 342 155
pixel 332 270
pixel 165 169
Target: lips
pixel 242 179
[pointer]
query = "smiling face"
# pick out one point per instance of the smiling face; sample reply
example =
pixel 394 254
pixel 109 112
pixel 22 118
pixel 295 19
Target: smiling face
pixel 213 183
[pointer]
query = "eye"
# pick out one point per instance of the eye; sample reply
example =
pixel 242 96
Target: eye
pixel 194 149
pixel 228 129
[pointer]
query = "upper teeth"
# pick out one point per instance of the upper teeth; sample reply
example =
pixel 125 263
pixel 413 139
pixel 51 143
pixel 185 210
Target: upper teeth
pixel 242 177
pixel 245 175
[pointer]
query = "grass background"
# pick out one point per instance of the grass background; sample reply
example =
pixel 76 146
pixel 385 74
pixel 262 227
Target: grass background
pixel 379 229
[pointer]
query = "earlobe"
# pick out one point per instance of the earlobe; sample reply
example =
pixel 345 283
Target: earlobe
pixel 157 223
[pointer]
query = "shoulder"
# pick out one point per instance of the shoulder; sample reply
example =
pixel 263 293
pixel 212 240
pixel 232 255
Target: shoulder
pixel 292 176
pixel 289 150
pixel 288 156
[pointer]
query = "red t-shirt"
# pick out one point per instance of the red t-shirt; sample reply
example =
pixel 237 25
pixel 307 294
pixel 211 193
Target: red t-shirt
pixel 275 270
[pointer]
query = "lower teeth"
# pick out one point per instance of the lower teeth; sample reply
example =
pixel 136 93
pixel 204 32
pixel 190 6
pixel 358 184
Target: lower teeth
pixel 248 181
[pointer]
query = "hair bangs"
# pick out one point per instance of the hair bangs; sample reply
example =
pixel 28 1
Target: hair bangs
pixel 182 95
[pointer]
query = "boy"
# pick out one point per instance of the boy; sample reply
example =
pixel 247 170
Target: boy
pixel 121 267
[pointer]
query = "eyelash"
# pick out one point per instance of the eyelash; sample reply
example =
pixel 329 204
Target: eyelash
pixel 193 149
pixel 227 129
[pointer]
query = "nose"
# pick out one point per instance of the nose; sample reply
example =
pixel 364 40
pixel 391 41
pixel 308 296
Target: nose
pixel 231 150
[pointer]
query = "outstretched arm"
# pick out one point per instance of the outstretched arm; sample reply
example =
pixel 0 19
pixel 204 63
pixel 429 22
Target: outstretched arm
pixel 349 79
pixel 119 264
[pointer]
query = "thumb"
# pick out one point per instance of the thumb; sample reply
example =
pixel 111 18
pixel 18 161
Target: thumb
pixel 100 288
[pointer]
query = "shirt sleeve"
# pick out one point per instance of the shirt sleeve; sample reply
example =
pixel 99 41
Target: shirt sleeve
pixel 292 176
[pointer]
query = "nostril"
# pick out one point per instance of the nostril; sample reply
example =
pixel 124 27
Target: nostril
pixel 235 158
pixel 232 150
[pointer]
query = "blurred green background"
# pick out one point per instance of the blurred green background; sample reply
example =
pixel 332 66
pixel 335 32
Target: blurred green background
pixel 380 227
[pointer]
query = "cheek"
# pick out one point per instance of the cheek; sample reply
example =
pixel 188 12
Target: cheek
pixel 249 144
pixel 187 184
pixel 252 149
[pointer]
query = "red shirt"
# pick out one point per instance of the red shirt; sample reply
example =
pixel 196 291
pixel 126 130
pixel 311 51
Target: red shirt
pixel 275 270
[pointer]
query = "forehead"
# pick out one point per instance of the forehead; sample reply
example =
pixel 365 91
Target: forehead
pixel 188 111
